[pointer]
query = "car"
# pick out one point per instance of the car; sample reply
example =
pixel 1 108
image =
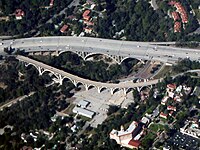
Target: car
pixel 138 46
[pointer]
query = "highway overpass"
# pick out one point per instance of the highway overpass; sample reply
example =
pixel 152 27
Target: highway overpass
pixel 116 49
pixel 60 75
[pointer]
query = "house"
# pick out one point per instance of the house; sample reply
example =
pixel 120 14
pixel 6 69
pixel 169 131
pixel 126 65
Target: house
pixel 177 98
pixel 164 100
pixel 89 23
pixel 88 30
pixel 171 108
pixel 171 113
pixel 175 16
pixel 85 15
pixel 163 115
pixel 51 3
pixel 182 12
pixel 171 87
pixel 177 27
pixel 19 14
pixel 64 28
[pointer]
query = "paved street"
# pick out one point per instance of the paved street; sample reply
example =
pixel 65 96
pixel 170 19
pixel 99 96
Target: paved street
pixel 125 49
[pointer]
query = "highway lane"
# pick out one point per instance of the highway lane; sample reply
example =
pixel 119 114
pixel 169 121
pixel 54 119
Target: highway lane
pixel 140 50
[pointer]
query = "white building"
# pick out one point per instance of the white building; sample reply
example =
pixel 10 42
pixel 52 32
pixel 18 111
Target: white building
pixel 83 112
pixel 83 103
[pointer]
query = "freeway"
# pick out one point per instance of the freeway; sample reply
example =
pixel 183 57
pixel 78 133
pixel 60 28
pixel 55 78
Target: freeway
pixel 125 49
pixel 121 85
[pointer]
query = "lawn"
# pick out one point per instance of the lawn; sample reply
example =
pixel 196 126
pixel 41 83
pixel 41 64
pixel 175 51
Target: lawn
pixel 68 110
pixel 156 127
pixel 163 72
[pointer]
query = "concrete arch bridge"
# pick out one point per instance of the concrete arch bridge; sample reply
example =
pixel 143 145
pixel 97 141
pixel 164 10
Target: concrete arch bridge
pixel 61 75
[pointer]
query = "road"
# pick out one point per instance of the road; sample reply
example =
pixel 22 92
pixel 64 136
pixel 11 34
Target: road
pixel 121 85
pixel 73 3
pixel 10 103
pixel 125 49
pixel 154 4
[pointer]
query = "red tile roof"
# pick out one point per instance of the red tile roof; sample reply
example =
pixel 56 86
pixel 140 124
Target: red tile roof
pixel 177 27
pixel 64 28
pixel 181 10
pixel 51 2
pixel 175 15
pixel 171 86
pixel 134 143
pixel 85 15
pixel 19 13
pixel 171 108
pixel 163 115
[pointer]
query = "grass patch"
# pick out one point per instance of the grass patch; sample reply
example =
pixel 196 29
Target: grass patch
pixel 84 118
pixel 163 72
pixel 156 127
pixel 68 110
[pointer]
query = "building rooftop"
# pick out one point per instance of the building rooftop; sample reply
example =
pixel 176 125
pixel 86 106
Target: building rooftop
pixel 83 103
pixel 134 143
pixel 64 28
pixel 82 111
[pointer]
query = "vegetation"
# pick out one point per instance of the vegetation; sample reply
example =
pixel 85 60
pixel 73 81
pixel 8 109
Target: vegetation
pixel 35 15
pixel 185 65
pixel 94 70
pixel 139 22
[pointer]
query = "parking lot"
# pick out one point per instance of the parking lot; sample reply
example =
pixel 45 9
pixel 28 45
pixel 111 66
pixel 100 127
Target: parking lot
pixel 99 102
pixel 183 141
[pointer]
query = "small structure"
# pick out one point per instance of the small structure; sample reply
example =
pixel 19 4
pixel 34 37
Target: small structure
pixel 83 112
pixel 19 14
pixel 163 115
pixel 83 103
pixel 64 28
pixel 171 87
pixel 177 27
pixel 171 108
pixel 51 3
pixel 88 30
pixel 164 100
pixel 86 15
pixel 175 16
pixel 145 120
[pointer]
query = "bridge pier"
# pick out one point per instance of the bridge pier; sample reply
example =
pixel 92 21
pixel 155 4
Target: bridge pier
pixel 111 91
pixel 86 87
pixel 99 89
pixel 124 91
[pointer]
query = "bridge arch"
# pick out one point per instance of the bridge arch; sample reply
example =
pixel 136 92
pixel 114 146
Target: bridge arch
pixel 91 86
pixel 140 88
pixel 114 90
pixel 65 77
pixel 71 51
pixel 94 54
pixel 129 90
pixel 102 89
pixel 30 64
